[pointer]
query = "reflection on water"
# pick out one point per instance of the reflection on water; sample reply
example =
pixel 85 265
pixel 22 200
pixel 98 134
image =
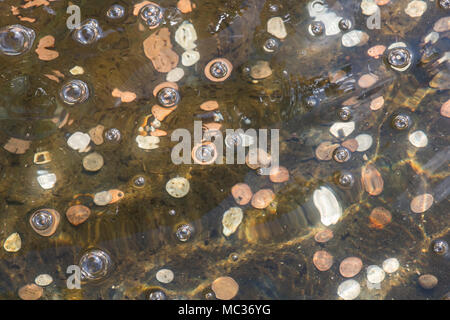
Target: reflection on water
pixel 358 208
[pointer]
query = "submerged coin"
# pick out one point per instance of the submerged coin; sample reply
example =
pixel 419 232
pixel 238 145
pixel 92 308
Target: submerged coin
pixel 422 203
pixel 78 214
pixel 391 265
pixel 350 267
pixel 349 289
pixel 16 39
pixel 43 280
pixel 178 187
pixel 242 193
pixel 323 236
pixel 322 260
pixel 165 275
pixel 30 292
pixel 225 288
pixel 428 281
pixel 93 162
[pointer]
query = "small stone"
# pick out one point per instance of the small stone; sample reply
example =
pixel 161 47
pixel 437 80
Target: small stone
pixel 77 70
pixel 275 26
pixel 442 25
pixel 102 198
pixel 225 288
pixel 354 38
pixel 445 109
pixel 422 203
pixel 186 35
pixel 364 142
pixel 13 243
pixel 367 80
pixel 350 267
pixel 43 280
pixel 93 162
pixel 322 260
pixel 175 75
pixel 42 157
pixel 47 180
pixel 323 236
pixel 375 274
pixel 418 139
pixel 261 70
pixel 241 193
pixel 231 220
pixel 391 265
pixel 78 214
pixel 178 187
pixel 147 142
pixel 189 58
pixel 416 8
pixel 30 292
pixel 372 180
pixel 324 151
pixel 164 276
pixel 79 141
pixel 96 134
pixel 262 198
pixel 328 206
pixel 428 281
pixel 377 103
pixel 349 289
pixel 343 129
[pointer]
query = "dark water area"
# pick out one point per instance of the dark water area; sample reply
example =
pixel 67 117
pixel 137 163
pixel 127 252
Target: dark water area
pixel 316 71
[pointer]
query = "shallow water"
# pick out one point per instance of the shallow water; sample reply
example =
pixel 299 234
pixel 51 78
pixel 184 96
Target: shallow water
pixel 270 255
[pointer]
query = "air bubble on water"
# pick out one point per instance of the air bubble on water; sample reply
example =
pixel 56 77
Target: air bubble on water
pixel 184 232
pixel 88 32
pixel 16 39
pixel 168 97
pixel 151 14
pixel 113 135
pixel 95 264
pixel 74 91
pixel 219 69
pixel 116 11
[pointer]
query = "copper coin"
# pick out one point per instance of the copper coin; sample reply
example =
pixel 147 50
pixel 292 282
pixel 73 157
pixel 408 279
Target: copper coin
pixel 322 260
pixel 422 203
pixel 225 288
pixel 78 214
pixel 323 236
pixel 350 267
pixel 242 193
pixel 279 174
pixel 380 217
pixel 262 198
pixel 30 292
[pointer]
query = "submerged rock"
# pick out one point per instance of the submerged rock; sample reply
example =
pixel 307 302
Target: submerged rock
pixel 231 220
pixel 13 243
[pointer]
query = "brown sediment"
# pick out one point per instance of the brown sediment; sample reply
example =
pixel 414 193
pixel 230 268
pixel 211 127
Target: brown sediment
pixel 209 105
pixel 262 198
pixel 125 96
pixel 372 180
pixel 163 85
pixel 42 51
pixel 208 69
pixel 241 193
pixel 161 113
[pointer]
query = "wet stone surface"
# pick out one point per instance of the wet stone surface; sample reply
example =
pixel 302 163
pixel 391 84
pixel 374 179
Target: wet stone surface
pixel 363 127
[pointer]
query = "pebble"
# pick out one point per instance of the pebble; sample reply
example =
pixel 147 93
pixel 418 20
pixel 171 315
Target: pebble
pixel 241 193
pixel 369 7
pixel 375 274
pixel 165 276
pixel 261 70
pixel 189 58
pixel 422 203
pixel 30 292
pixel 354 38
pixel 377 103
pixel 96 134
pixel 13 243
pixel 178 187
pixel 278 174
pixel 186 35
pixel 102 198
pixel 328 206
pixel 416 8
pixel 445 109
pixel 344 128
pixel 231 220
pixel 262 198
pixel 371 180
pixel 428 281
pixel 78 214
pixel 350 267
pixel 418 139
pixel 147 142
pixel 349 289
pixel 43 280
pixel 323 236
pixel 175 75
pixel 391 265
pixel 364 142
pixel 322 260
pixel 77 70
pixel 225 288
pixel 367 80
pixel 442 25
pixel 380 217
pixel 47 180
pixel 42 157
pixel 79 141
pixel 324 151
pixel 376 51
pixel 275 26
pixel 93 162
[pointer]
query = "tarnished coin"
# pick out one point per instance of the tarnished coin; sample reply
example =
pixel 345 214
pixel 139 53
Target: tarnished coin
pixel 322 260
pixel 350 267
